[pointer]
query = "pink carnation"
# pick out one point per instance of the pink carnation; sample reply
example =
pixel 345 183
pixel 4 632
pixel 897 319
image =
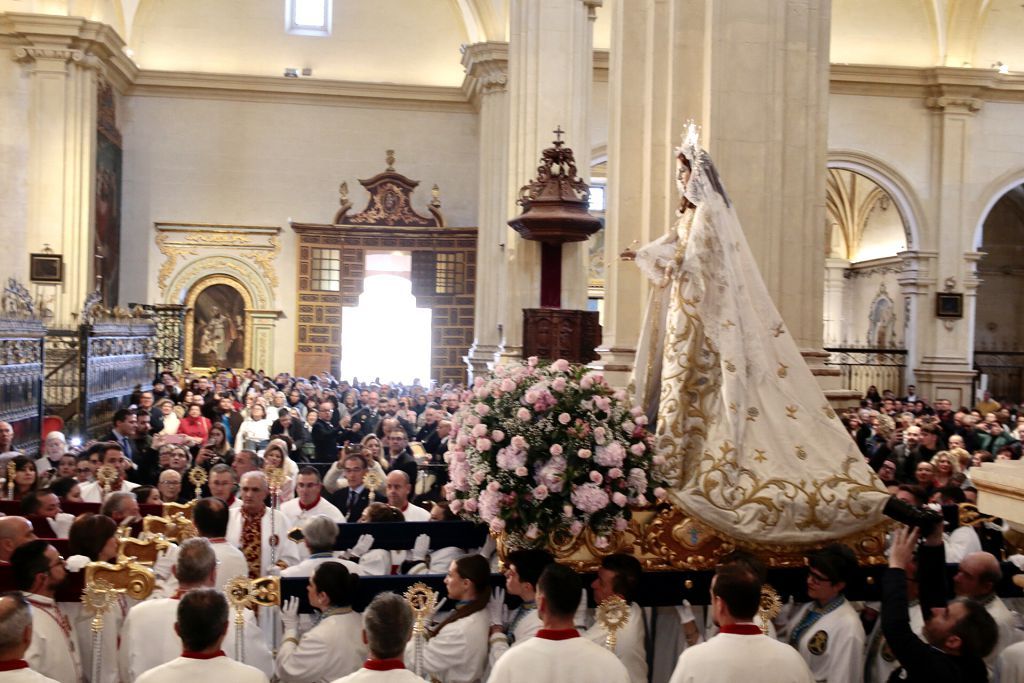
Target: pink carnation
pixel 565 418
pixel 589 498
pixel 555 449
pixel 482 409
pixel 584 453
pixel 522 471
pixel 483 445
pixel 518 442
pixel 596 477
pixel 560 365
pixel 637 449
pixel 619 499
pixel 558 384
pixel 540 493
pixel 497 436
pixel 523 414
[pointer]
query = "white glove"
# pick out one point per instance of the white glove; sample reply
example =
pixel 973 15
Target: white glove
pixel 580 618
pixel 290 614
pixel 421 548
pixel 362 546
pixel 685 612
pixel 497 608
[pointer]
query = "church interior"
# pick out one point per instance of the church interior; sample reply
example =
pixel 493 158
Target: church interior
pixel 326 186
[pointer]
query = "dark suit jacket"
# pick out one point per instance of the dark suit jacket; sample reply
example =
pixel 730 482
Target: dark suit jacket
pixel 112 436
pixel 353 513
pixel 325 441
pixel 406 463
pixel 296 432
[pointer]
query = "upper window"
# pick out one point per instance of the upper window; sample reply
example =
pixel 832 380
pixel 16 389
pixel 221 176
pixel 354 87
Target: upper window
pixel 308 17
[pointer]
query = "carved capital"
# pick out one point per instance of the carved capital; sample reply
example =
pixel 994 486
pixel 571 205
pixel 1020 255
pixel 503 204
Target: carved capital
pixel 592 6
pixel 954 104
pixel 26 54
pixel 486 66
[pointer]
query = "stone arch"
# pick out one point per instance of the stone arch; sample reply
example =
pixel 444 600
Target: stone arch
pixel 992 193
pixel 892 182
pixel 257 291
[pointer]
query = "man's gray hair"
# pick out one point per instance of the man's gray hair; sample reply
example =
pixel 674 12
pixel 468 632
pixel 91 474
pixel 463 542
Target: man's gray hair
pixel 196 561
pixel 15 617
pixel 114 502
pixel 388 625
pixel 220 468
pixel 255 474
pixel 320 534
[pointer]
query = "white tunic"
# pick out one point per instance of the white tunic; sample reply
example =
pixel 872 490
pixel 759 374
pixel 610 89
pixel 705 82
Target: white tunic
pixel 81 621
pixel 881 661
pixel 458 653
pixel 734 657
pixel 1008 632
pixel 1009 665
pixel 331 649
pixel 573 660
pixel 960 543
pixel 525 628
pixel 92 492
pixel 297 517
pixel 414 513
pixel 230 561
pixel 389 676
pixel 52 651
pixel 833 646
pixel 307 567
pixel 219 669
pixel 148 639
pixel 286 550
pixel 629 643
pixel 24 675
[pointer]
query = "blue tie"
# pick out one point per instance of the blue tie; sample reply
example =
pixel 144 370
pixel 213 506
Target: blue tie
pixel 227 427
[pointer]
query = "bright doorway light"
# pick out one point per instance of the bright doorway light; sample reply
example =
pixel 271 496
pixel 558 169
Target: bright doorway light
pixel 386 336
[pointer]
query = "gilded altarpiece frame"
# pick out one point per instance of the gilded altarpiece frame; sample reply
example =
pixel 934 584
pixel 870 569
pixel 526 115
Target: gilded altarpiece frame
pixel 443 274
pixel 200 255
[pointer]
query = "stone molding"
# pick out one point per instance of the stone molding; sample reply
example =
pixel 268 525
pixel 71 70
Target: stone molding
pixel 940 87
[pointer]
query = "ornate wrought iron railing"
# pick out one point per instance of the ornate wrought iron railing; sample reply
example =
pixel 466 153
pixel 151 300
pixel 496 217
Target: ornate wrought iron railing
pixel 862 368
pixel 1004 371
pixel 21 367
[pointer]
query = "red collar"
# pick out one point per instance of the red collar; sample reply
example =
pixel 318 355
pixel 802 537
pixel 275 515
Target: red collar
pixel 405 508
pixel 558 633
pixel 217 540
pixel 230 501
pixel 12 664
pixel 742 629
pixel 203 655
pixel 383 664
pixel 305 508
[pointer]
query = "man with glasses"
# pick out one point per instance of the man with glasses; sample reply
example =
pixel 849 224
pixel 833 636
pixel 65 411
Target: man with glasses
pixel 38 572
pixel 827 631
pixel 976 578
pixel 352 499
pixel 325 434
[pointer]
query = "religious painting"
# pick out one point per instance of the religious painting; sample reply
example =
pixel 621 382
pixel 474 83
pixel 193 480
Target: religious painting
pixel 108 203
pixel 882 321
pixel 218 330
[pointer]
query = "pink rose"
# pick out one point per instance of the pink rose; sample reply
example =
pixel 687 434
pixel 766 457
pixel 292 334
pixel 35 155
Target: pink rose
pixel 586 382
pixel 596 477
pixel 472 505
pixel 615 473
pixel 636 411
pixel 523 414
pixel 628 426
pixel 637 449
pixel 531 396
pixel 555 449
pixel 483 445
pixel 540 493
pixel 462 440
pixel 584 453
pixel 532 532
pixel 508 385
pixel 497 436
pixel 497 525
pixel 641 420
pixel 458 456
pixel 558 384
pixel 532 361
pixel 493 486
pixel 479 476
pixel 599 434
pixel 576 527
pixel 658 460
pixel 619 395
pixel 522 471
pixel 619 499
pixel 601 542
pixel 455 506
pixel 479 430
pixel 660 493
pixel 565 418
pixel 482 409
pixel 621 524
pixel 567 510
pixel 603 403
pixel 481 392
pixel 597 377
pixel 478 381
pixel 518 442
pixel 560 365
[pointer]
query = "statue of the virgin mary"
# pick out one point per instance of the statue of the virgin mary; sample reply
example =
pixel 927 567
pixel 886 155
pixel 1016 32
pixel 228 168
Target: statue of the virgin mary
pixel 744 435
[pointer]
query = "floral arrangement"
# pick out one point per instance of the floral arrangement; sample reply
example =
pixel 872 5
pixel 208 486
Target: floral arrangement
pixel 544 450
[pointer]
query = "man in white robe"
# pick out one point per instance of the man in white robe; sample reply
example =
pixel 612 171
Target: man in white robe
pixel 210 516
pixel 319 536
pixel 39 570
pixel 201 621
pixel 15 638
pixel 522 572
pixel 223 483
pixel 978 575
pixel 399 489
pixel 557 653
pixel 147 636
pixel 827 631
pixel 387 627
pixel 92 492
pixel 740 651
pixel 619 575
pixel 308 503
pixel 270 526
pixel 1010 665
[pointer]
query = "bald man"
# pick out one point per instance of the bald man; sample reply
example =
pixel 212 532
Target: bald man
pixel 398 489
pixel 14 533
pixel 977 578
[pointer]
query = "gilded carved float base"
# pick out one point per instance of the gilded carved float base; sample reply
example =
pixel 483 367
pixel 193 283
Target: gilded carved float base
pixel 665 538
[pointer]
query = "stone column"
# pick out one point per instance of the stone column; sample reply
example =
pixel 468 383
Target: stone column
pixel 754 75
pixel 486 65
pixel 550 68
pixel 836 333
pixel 262 342
pixel 917 284
pixel 946 346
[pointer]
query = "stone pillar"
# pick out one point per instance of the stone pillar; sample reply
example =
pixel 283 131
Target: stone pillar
pixel 835 332
pixel 917 284
pixel 550 66
pixel 946 346
pixel 486 65
pixel 754 75
pixel 262 342
pixel 61 56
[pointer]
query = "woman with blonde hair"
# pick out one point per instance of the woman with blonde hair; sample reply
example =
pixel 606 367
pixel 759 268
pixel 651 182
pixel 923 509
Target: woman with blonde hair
pixel 370 448
pixel 276 457
pixel 254 432
pixel 946 466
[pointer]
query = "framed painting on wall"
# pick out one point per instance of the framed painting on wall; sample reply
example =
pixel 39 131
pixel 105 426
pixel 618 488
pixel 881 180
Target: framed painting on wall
pixel 218 329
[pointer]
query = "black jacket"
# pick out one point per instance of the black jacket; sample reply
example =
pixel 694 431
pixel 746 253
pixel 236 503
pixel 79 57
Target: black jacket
pixel 325 441
pixel 354 512
pixel 919 660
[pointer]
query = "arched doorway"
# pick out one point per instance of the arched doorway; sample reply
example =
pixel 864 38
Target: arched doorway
pixel 998 322
pixel 864 313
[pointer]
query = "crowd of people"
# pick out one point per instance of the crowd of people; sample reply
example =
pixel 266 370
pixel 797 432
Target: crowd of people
pixel 318 451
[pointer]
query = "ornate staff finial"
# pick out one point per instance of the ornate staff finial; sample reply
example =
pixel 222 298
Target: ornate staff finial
pixel 769 608
pixel 197 477
pixel 106 476
pixel 98 597
pixel 12 469
pixel 613 614
pixel 372 481
pixel 422 600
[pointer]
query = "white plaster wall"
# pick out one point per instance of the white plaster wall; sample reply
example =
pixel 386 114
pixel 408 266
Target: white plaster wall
pixel 209 161
pixel 860 293
pixel 14 107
